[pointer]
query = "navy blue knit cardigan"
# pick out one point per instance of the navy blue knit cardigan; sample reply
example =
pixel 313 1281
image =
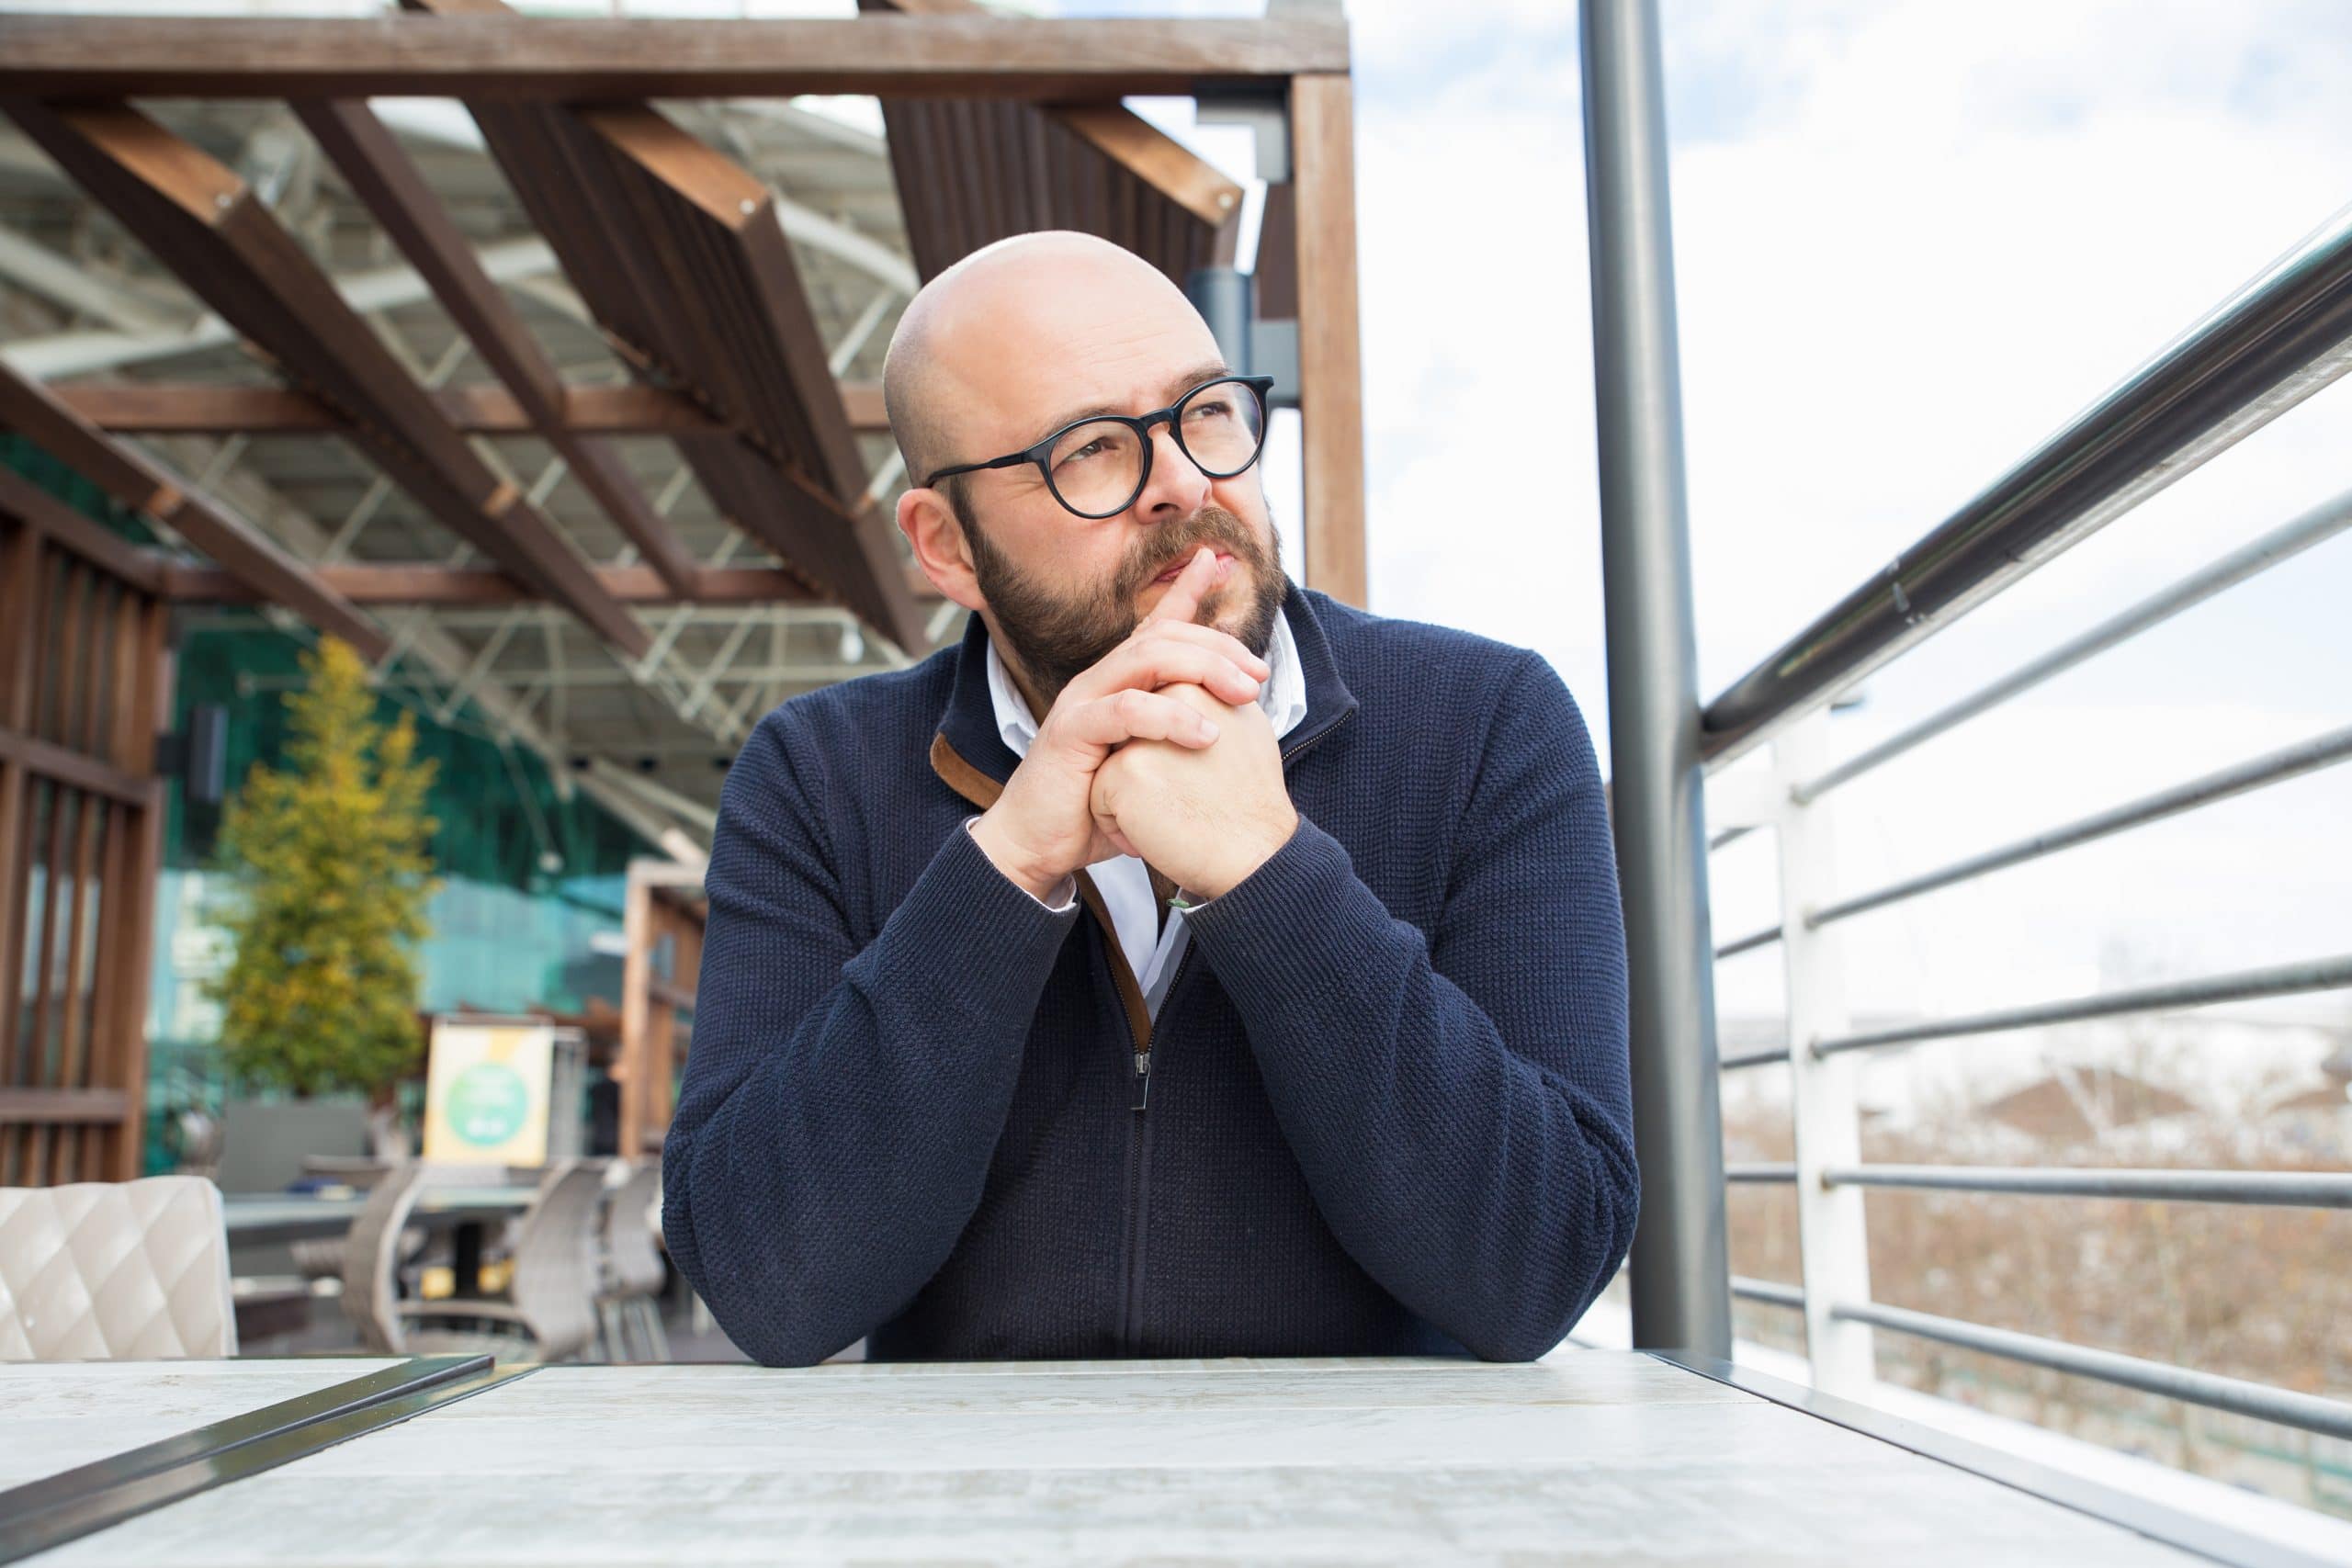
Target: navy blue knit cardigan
pixel 1388 1108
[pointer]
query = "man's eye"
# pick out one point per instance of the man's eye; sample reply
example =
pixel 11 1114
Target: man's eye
pixel 1092 449
pixel 1204 411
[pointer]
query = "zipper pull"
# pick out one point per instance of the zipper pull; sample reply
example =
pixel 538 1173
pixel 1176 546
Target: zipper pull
pixel 1143 1078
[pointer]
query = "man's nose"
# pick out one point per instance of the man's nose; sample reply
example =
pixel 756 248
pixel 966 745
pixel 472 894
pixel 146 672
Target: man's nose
pixel 1178 489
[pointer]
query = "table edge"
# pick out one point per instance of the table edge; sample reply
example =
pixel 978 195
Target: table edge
pixel 2175 1527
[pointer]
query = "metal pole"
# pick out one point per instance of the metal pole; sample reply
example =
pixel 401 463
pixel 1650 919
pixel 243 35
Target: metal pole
pixel 1681 1277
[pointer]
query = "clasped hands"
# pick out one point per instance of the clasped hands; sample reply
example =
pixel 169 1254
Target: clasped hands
pixel 1159 751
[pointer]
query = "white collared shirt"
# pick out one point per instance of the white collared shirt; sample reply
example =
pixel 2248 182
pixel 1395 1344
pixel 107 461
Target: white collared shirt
pixel 1152 953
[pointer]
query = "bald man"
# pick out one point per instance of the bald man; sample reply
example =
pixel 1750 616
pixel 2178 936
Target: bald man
pixel 1187 964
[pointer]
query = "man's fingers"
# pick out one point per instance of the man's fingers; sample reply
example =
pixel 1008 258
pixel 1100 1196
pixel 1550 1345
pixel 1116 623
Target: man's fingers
pixel 1132 715
pixel 1162 661
pixel 1182 599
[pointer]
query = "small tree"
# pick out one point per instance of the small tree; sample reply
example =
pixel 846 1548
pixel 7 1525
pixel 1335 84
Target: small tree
pixel 332 878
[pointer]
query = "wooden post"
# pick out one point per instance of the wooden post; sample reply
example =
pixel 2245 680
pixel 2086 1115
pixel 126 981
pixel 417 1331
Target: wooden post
pixel 153 711
pixel 1331 358
pixel 637 976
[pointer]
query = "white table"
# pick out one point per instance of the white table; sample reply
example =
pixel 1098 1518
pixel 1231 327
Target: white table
pixel 272 1216
pixel 1591 1456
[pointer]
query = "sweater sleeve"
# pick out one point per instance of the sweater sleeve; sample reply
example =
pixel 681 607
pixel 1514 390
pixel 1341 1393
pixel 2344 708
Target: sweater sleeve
pixel 841 1104
pixel 1461 1105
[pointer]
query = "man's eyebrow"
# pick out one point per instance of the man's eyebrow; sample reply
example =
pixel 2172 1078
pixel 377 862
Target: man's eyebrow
pixel 1177 386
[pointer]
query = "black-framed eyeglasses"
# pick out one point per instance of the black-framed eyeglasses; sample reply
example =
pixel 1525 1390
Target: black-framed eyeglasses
pixel 1096 467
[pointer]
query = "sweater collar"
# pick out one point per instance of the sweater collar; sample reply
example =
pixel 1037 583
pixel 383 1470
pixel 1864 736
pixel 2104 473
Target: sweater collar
pixel 972 758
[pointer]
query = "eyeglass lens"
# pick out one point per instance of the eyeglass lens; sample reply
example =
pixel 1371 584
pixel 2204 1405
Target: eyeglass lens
pixel 1097 467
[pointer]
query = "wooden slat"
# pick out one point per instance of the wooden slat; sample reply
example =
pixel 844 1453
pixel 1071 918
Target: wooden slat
pixel 19 602
pixel 74 1053
pixel 25 1107
pixel 34 1050
pixel 199 220
pixel 551 60
pixel 193 408
pixel 148 487
pixel 971 173
pixel 1330 359
pixel 679 254
pixel 759 356
pixel 381 174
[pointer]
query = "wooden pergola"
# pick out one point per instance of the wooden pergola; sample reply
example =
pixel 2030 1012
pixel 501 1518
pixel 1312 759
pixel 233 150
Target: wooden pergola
pixel 271 387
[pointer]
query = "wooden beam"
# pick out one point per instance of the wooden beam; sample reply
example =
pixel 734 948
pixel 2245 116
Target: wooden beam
pixel 68 767
pixel 382 175
pixel 247 553
pixel 165 408
pixel 23 1106
pixel 109 551
pixel 591 60
pixel 199 220
pixel 431 583
pixel 1330 355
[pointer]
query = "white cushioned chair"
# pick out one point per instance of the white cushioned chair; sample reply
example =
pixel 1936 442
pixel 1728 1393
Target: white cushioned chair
pixel 115 1271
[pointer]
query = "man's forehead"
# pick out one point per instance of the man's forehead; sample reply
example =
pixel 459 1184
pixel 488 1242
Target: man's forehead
pixel 1028 354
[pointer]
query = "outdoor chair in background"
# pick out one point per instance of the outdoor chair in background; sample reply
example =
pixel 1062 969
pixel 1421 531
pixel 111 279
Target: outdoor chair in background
pixel 633 1270
pixel 548 1313
pixel 107 1270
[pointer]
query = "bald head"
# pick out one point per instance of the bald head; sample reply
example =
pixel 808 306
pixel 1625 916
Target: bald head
pixel 995 349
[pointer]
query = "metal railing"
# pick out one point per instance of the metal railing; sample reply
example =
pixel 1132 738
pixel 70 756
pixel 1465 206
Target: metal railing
pixel 2282 337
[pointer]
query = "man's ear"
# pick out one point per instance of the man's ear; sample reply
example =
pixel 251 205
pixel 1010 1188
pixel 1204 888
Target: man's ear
pixel 940 546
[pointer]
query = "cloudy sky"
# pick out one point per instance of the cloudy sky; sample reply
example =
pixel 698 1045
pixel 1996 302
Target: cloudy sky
pixel 1913 238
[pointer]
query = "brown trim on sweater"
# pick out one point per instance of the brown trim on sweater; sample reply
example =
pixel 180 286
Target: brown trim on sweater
pixel 961 776
pixel 1130 991
pixel 982 791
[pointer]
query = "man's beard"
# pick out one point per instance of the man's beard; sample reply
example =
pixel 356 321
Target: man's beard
pixel 1056 639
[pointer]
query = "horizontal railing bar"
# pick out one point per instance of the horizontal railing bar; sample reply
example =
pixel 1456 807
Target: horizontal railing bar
pixel 2308 1412
pixel 1761 1171
pixel 1768 1291
pixel 2281 337
pixel 1729 836
pixel 2272 767
pixel 2283 1188
pixel 2283 542
pixel 2280 980
pixel 1761 1058
pixel 1750 942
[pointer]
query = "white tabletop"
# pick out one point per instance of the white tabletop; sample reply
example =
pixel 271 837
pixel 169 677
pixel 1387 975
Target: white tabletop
pixel 54 1415
pixel 1596 1456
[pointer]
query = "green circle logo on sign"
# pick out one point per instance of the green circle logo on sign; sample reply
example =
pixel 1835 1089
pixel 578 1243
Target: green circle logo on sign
pixel 487 1104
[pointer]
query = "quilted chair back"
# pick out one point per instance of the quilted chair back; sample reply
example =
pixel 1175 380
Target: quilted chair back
pixel 115 1271
pixel 632 1254
pixel 554 1258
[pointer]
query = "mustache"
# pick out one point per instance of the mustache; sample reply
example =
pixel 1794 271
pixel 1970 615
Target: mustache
pixel 1211 526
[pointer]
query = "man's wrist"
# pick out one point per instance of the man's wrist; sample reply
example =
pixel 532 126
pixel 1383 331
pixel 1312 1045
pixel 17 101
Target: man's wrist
pixel 1048 889
pixel 1225 879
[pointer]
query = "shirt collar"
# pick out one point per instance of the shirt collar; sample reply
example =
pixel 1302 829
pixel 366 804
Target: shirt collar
pixel 1283 696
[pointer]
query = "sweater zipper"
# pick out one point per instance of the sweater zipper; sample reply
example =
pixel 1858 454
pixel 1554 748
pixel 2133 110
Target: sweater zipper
pixel 1139 1127
pixel 1139 1166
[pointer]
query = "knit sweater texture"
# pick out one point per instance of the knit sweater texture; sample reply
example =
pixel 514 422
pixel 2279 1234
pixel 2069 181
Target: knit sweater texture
pixel 1387 1111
